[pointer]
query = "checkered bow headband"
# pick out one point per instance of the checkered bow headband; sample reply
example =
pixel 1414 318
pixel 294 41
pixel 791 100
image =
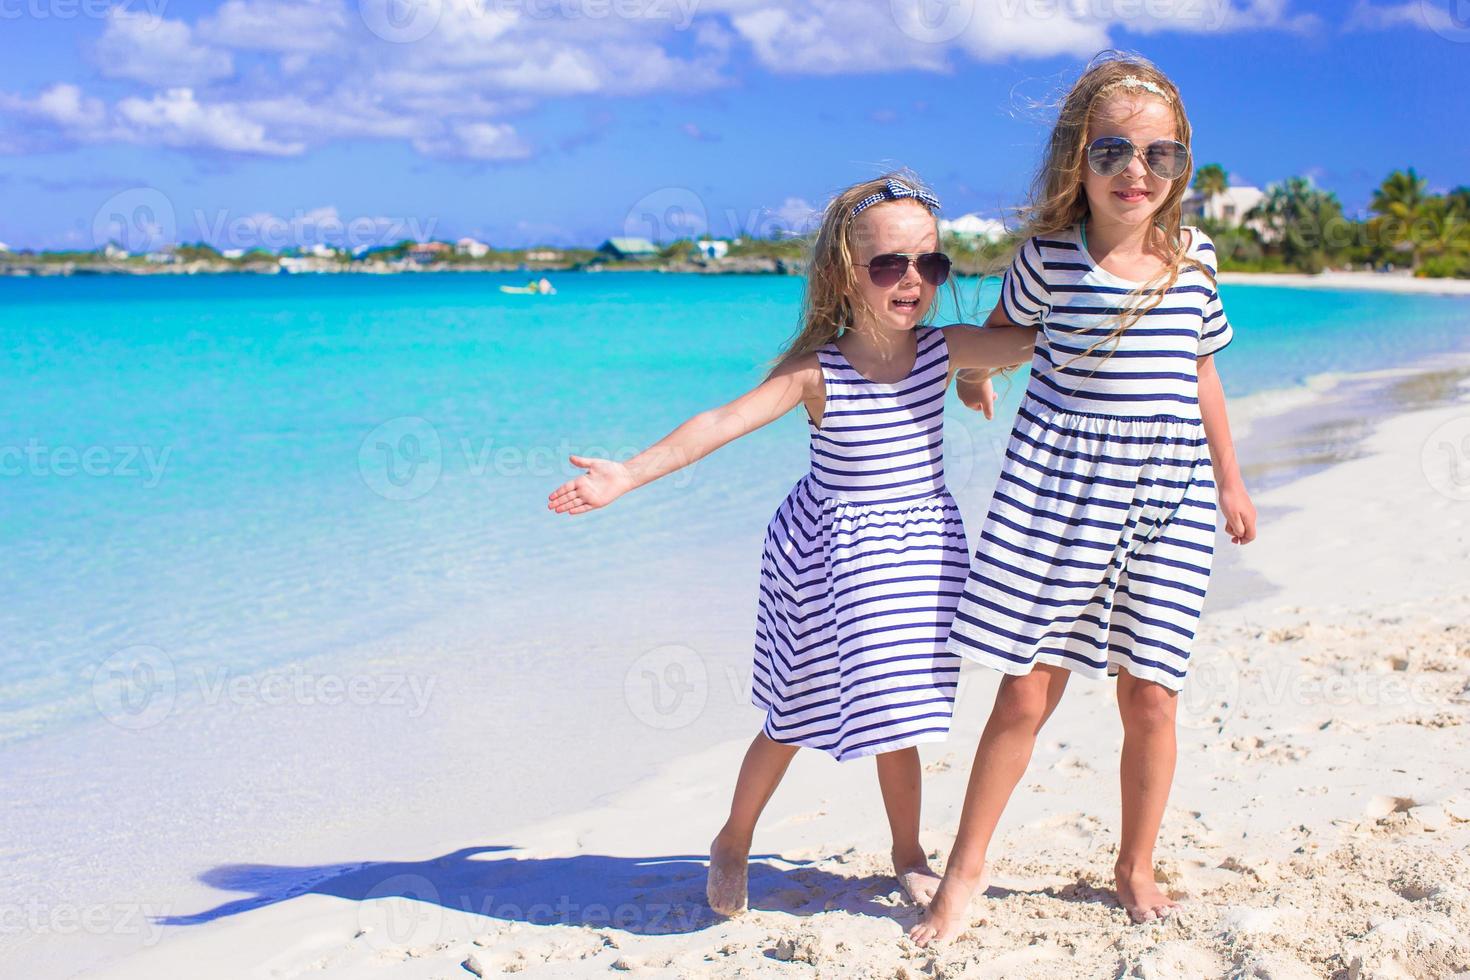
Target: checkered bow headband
pixel 895 190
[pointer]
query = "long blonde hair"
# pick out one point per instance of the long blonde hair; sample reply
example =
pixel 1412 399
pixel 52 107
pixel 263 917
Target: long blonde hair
pixel 1058 200
pixel 832 302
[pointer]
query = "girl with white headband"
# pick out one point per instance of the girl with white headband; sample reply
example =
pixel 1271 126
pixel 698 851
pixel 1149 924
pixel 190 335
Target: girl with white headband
pixel 1096 552
pixel 864 560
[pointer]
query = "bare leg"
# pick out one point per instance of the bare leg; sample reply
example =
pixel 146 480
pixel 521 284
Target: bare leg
pixel 1022 705
pixel 729 853
pixel 1145 775
pixel 900 777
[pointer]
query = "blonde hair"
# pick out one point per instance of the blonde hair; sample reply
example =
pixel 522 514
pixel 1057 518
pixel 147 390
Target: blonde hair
pixel 1058 200
pixel 832 302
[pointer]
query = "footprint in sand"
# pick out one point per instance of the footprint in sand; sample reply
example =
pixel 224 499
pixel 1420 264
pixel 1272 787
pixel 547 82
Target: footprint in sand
pixel 1079 825
pixel 1073 765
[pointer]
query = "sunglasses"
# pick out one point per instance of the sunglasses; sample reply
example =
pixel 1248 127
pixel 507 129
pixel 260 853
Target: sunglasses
pixel 887 269
pixel 1109 156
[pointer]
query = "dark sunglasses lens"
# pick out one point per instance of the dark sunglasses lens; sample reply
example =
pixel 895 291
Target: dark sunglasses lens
pixel 933 267
pixel 887 269
pixel 1168 159
pixel 1109 155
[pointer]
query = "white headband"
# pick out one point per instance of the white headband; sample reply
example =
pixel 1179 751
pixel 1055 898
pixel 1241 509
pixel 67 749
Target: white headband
pixel 1133 81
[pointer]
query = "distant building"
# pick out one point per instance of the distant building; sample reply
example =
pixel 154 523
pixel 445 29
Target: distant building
pixel 321 251
pixel 114 252
pixel 429 252
pixel 295 264
pixel 162 257
pixel 973 227
pixel 543 255
pixel 628 248
pixel 713 248
pixel 474 249
pixel 1228 207
pixel 233 253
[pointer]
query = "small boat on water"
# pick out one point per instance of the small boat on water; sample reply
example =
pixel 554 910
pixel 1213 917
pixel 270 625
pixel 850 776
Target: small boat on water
pixel 542 287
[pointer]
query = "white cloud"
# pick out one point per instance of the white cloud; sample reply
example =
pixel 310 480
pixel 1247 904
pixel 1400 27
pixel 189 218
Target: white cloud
pixel 62 105
pixel 300 26
pixel 156 51
pixel 830 37
pixel 476 141
pixel 277 77
pixel 795 216
pixel 1371 17
pixel 175 118
pixel 997 31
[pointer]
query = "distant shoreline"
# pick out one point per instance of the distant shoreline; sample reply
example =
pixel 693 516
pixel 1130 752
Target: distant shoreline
pixel 1385 282
pixel 41 270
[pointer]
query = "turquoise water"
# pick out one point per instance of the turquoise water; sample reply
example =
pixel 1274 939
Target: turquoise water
pixel 250 471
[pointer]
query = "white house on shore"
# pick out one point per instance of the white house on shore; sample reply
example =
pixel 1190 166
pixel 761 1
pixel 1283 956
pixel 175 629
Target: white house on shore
pixel 974 228
pixel 472 248
pixel 1228 207
pixel 712 248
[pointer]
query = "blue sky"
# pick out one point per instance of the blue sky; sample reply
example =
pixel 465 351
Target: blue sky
pixel 565 121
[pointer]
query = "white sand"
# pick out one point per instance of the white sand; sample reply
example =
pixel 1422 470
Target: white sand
pixel 1319 825
pixel 1391 282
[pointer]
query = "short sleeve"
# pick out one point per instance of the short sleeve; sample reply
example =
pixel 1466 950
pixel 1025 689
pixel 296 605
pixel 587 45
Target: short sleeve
pixel 1215 332
pixel 1024 297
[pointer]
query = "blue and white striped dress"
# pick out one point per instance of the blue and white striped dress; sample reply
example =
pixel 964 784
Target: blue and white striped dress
pixel 1096 552
pixel 862 567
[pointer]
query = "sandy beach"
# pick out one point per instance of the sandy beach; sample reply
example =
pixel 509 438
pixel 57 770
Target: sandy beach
pixel 1389 282
pixel 1319 824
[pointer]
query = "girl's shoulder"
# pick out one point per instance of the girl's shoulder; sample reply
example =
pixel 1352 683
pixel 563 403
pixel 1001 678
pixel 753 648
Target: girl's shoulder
pixel 1200 246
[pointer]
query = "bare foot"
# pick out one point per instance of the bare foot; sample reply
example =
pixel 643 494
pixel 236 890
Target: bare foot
pixel 1140 894
pixel 949 909
pixel 725 888
pixel 915 877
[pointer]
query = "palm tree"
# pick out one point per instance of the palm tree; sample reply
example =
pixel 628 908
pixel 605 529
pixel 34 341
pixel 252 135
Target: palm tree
pixel 1440 231
pixel 1302 221
pixel 1211 181
pixel 1398 195
pixel 1459 200
pixel 1397 202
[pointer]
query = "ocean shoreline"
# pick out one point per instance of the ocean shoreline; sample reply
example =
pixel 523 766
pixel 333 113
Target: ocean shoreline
pixel 1387 282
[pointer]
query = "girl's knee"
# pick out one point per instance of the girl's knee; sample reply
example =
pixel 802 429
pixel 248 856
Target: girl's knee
pixel 1146 705
pixel 1022 700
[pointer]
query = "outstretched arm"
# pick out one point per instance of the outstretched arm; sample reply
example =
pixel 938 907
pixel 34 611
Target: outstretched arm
pixel 1235 502
pixel 973 384
pixel 607 480
pixel 989 347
